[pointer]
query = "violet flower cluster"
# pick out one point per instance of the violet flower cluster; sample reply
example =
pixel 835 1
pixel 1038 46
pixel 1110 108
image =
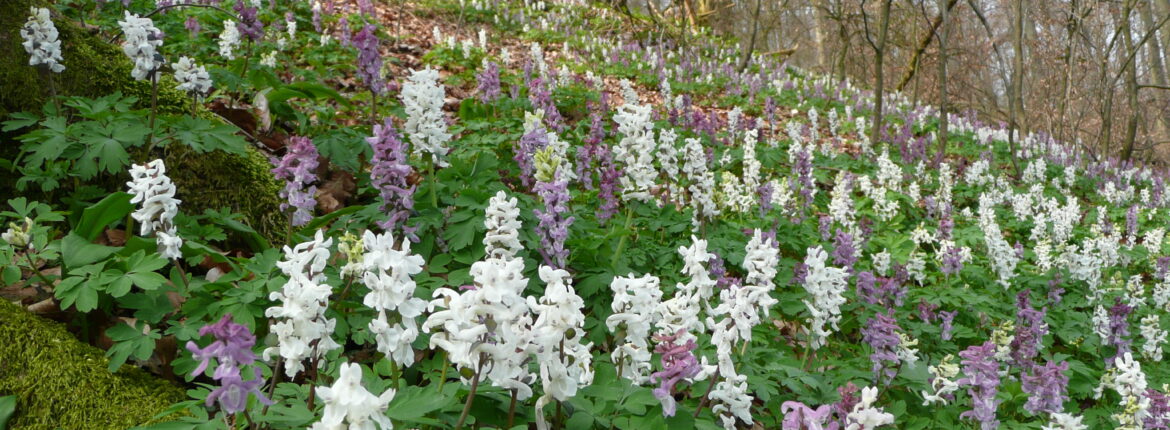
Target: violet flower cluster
pixel 298 168
pixel 389 173
pixel 232 349
pixel 1047 387
pixel 982 382
pixel 554 224
pixel 488 82
pixel 369 61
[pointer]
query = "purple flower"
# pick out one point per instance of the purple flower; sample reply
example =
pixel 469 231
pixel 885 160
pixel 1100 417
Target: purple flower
pixel 488 83
pixel 369 67
pixel 982 382
pixel 844 251
pixel 1159 411
pixel 952 261
pixel 388 173
pixel 232 349
pixel 881 333
pixel 192 26
pixel 1118 329
pixel 525 152
pixel 554 224
pixel 540 95
pixel 249 24
pixel 1055 290
pixel 608 187
pixel 927 311
pixel 678 363
pixel 1030 331
pixel 298 169
pixel 1046 387
pixel 765 195
pixel 1131 222
pixel 948 319
pixel 825 225
pixel 798 416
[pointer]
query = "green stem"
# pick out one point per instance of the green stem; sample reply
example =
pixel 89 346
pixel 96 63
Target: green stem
pixel 622 242
pixel 471 395
pixel 153 111
pixel 443 374
pixel 33 266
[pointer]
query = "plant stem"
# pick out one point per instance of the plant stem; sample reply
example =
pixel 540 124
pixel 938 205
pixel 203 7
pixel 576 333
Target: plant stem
pixel 275 380
pixel 703 401
pixel 443 374
pixel 37 270
pixel 153 110
pixel 471 395
pixel 183 275
pixel 512 410
pixel 622 242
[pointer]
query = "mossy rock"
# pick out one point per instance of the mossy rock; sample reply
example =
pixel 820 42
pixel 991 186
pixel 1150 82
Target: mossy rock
pixel 96 68
pixel 63 383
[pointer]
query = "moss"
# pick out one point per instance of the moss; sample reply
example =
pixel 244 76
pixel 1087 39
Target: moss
pixel 219 180
pixel 95 68
pixel 63 383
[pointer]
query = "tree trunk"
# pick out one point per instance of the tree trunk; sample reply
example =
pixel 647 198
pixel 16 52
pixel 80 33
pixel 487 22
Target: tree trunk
pixel 878 75
pixel 1015 102
pixel 1131 86
pixel 912 66
pixel 747 52
pixel 1069 50
pixel 943 30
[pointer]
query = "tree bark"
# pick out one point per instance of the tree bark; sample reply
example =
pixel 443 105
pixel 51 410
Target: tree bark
pixel 747 52
pixel 1131 86
pixel 943 30
pixel 1015 102
pixel 879 49
pixel 912 66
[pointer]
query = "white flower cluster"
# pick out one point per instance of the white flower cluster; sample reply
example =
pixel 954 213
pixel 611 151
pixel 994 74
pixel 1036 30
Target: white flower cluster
pixel 743 305
pixel 388 272
pixel 1064 421
pixel 634 302
pixel 489 322
pixel 702 181
pixel 303 330
pixel 153 189
pixel 942 381
pixel 864 415
pixel 565 363
pixel 1002 255
pixel 40 40
pixel 141 44
pixel 501 218
pixel 192 77
pixel 1127 378
pixel 668 160
pixel 348 402
pixel 229 39
pixel 636 151
pixel 731 401
pixel 1151 330
pixel 422 98
pixel 681 312
pixel 825 285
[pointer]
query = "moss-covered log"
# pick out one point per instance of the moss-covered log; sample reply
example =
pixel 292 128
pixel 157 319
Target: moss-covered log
pixel 63 383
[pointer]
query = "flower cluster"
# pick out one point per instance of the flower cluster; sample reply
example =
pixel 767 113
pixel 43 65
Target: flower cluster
pixel 39 37
pixel 302 331
pixel 388 272
pixel 192 77
pixel 565 361
pixel 232 349
pixel 153 189
pixel 369 61
pixel 422 98
pixel 634 302
pixel 141 44
pixel 348 402
pixel 825 286
pixel 982 381
pixel 298 168
pixel 390 173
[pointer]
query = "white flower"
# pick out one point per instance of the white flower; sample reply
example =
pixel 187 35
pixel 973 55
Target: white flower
pixel 348 402
pixel 565 363
pixel 825 285
pixel 192 77
pixel 1063 421
pixel 942 381
pixel 302 330
pixel 1154 337
pixel 268 59
pixel 388 273
pixel 731 396
pixel 635 151
pixel 153 189
pixel 426 125
pixel 40 40
pixel 864 416
pixel 17 235
pixel 634 302
pixel 229 39
pixel 501 219
pixel 702 181
pixel 141 44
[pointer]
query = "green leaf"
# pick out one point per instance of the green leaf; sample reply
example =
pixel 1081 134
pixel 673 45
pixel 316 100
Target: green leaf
pixel 130 342
pixel 95 218
pixel 10 275
pixel 204 135
pixel 76 292
pixel 412 403
pixel 7 409
pixel 149 307
pixel 76 251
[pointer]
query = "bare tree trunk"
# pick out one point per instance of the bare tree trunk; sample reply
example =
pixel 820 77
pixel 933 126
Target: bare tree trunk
pixel 879 50
pixel 943 32
pixel 916 57
pixel 1154 47
pixel 747 52
pixel 1131 86
pixel 822 23
pixel 1072 27
pixel 1015 104
pixel 845 41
